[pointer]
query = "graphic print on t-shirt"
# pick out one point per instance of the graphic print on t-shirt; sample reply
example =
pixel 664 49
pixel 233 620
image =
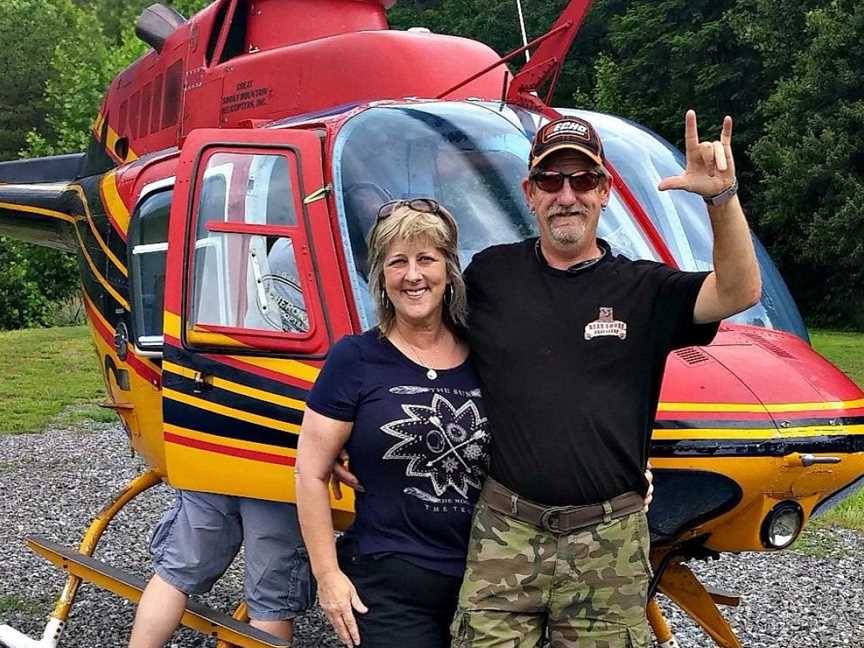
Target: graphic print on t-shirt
pixel 445 444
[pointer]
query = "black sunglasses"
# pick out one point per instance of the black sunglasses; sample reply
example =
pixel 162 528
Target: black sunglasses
pixel 424 205
pixel 553 181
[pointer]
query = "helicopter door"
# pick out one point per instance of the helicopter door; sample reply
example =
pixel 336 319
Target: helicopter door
pixel 253 302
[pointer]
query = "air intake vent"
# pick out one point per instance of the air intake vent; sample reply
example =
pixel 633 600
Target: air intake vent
pixel 156 23
pixel 692 355
pixel 763 341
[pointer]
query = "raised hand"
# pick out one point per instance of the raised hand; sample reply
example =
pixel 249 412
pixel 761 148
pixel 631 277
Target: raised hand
pixel 710 165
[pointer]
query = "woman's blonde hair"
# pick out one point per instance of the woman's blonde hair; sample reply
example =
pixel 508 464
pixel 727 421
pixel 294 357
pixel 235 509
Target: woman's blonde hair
pixel 439 230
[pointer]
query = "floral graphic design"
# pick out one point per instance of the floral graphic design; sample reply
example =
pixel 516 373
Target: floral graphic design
pixel 448 446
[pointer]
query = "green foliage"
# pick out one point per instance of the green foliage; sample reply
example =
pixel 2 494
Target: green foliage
pixel 84 63
pixel 98 43
pixel 811 160
pixel 32 281
pixel 28 33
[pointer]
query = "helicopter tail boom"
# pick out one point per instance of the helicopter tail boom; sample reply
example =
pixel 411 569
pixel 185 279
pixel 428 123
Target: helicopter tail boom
pixel 38 213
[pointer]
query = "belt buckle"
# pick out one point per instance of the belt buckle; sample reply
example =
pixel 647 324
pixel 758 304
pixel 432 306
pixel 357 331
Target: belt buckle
pixel 551 518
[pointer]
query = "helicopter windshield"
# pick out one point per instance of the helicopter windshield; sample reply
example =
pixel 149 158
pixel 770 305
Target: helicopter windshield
pixel 472 157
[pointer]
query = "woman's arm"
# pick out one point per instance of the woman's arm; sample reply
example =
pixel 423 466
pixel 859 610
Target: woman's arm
pixel 321 440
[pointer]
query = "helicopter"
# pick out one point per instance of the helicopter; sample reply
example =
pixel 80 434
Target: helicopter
pixel 219 218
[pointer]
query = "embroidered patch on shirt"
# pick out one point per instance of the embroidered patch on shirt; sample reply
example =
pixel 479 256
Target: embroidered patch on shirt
pixel 606 325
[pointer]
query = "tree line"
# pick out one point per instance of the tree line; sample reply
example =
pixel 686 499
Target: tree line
pixel 788 71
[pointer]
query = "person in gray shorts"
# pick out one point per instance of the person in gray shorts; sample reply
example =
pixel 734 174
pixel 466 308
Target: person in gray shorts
pixel 195 542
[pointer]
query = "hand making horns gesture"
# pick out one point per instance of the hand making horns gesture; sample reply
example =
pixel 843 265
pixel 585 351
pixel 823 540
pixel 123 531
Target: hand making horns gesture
pixel 710 165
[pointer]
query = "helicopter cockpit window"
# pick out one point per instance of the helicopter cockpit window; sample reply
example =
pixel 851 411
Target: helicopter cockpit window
pixel 149 252
pixel 471 158
pixel 245 272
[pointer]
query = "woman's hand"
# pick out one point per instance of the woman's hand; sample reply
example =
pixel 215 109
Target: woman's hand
pixel 649 495
pixel 338 598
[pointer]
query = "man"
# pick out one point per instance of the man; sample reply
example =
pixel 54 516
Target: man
pixel 196 541
pixel 571 342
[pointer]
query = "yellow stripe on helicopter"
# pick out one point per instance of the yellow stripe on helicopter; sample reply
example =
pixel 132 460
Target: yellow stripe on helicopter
pixel 98 275
pixel 240 415
pixel 291 368
pixel 282 366
pixel 775 408
pixel 102 244
pixel 112 137
pixel 39 210
pixel 238 388
pixel 755 433
pixel 114 205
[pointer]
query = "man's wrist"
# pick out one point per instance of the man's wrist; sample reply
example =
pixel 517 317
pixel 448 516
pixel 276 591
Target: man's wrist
pixel 724 196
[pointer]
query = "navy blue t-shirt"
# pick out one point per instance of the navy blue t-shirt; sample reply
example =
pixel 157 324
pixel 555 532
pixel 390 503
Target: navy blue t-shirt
pixel 419 447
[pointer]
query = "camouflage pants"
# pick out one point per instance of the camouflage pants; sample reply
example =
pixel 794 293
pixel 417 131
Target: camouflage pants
pixel 587 588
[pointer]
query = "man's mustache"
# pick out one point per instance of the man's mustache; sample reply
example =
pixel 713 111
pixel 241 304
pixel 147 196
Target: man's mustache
pixel 564 211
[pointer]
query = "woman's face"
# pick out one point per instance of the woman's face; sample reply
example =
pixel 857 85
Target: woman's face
pixel 415 277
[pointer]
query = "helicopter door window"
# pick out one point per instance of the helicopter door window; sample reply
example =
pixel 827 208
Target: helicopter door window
pixel 245 269
pixel 149 252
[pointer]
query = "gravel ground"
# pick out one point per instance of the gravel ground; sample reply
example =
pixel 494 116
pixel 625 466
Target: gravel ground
pixel 51 483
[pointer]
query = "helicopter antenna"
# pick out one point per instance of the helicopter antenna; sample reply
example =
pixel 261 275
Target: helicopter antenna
pixel 524 33
pixel 548 60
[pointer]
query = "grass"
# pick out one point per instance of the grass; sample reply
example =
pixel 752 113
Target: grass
pixel 846 350
pixel 818 542
pixel 47 373
pixel 14 603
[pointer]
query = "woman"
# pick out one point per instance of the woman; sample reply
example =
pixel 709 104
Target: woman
pixel 406 403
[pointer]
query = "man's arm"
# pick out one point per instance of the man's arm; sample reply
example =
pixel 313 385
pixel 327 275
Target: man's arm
pixel 735 284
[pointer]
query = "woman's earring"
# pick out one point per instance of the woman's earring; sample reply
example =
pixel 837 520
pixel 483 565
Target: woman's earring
pixel 449 295
pixel 385 300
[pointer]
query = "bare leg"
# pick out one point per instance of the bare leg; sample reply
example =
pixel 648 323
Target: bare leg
pixel 281 629
pixel 159 612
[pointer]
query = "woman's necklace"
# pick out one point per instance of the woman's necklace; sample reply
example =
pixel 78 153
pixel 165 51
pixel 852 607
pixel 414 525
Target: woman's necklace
pixel 417 358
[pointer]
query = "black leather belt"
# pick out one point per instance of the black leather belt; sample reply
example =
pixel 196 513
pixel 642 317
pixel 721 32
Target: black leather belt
pixel 558 519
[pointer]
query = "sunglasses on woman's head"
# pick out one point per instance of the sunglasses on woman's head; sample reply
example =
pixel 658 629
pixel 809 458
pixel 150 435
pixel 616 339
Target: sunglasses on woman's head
pixel 423 205
pixel 553 181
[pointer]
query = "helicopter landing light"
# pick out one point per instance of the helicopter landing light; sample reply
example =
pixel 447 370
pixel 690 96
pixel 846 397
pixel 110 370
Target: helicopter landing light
pixel 782 525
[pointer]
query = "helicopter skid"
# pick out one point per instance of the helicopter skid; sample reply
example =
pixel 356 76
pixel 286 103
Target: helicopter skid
pixel 196 616
pixel 11 638
pixel 680 584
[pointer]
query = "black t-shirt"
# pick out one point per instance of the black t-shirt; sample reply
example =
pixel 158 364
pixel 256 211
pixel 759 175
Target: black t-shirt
pixel 418 446
pixel 571 365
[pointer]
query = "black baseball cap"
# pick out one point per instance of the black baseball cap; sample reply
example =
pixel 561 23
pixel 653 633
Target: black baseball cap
pixel 567 133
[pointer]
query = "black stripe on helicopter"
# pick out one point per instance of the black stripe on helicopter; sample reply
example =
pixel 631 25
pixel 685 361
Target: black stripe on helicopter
pixel 227 427
pixel 843 444
pixel 227 398
pixel 755 424
pixel 248 378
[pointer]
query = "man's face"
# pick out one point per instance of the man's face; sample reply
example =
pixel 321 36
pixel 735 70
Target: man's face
pixel 567 218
